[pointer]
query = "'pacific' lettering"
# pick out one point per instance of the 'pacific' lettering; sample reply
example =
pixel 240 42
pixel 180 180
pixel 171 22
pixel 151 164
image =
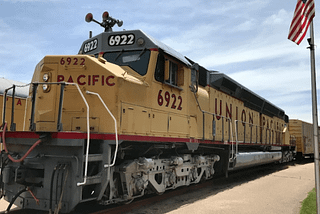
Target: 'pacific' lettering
pixel 89 79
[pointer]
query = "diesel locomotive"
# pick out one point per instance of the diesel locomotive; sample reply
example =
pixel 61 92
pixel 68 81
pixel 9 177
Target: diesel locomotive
pixel 13 95
pixel 129 116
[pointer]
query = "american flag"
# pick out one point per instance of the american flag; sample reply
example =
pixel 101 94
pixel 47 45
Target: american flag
pixel 303 15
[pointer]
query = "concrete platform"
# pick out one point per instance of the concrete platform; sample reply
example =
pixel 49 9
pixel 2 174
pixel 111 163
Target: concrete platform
pixel 280 192
pixel 4 204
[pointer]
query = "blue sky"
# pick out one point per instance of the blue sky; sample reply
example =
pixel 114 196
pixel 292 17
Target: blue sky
pixel 246 40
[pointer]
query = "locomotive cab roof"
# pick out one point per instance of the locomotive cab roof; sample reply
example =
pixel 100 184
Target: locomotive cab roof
pixel 132 40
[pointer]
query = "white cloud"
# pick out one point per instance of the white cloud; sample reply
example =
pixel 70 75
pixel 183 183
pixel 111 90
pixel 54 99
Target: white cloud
pixel 281 80
pixel 3 24
pixel 245 26
pixel 234 7
pixel 279 18
pixel 191 40
pixel 21 52
pixel 250 52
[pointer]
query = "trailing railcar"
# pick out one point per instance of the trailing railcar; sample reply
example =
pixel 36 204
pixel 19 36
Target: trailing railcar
pixel 303 133
pixel 129 116
pixel 13 96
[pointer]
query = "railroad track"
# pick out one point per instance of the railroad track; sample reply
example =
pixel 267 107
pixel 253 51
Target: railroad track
pixel 180 196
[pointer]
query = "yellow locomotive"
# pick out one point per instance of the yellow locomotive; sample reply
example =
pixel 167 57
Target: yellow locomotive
pixel 13 99
pixel 129 116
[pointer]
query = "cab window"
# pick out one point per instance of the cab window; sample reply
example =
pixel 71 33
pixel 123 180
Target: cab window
pixel 137 60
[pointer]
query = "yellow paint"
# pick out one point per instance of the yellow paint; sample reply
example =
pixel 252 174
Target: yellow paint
pixel 303 133
pixel 142 105
pixel 19 112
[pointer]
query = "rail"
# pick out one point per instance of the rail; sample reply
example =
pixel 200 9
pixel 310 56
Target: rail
pixel 115 127
pixel 230 133
pixel 4 107
pixel 12 125
pixel 59 124
pixel 59 119
pixel 214 123
pixel 262 134
pixel 88 130
pixel 32 126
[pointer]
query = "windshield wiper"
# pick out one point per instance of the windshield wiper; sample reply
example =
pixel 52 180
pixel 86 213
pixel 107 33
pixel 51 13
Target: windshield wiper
pixel 121 52
pixel 141 53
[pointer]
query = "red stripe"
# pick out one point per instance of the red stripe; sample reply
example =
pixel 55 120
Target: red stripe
pixel 301 27
pixel 27 135
pixel 304 34
pixel 297 15
pixel 303 15
pixel 297 28
pixel 137 138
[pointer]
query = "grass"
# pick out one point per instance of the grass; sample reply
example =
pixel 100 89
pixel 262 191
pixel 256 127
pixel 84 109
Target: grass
pixel 309 205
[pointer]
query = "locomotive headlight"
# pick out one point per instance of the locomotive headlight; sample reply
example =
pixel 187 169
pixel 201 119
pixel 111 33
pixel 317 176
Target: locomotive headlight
pixel 45 77
pixel 45 88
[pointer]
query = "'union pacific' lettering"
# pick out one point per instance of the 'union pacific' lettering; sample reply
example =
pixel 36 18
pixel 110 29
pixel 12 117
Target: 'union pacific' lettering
pixel 88 79
pixel 244 115
pixel 216 109
pixel 271 124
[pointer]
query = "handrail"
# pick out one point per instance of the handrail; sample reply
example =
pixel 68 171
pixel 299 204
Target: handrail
pixel 115 128
pixel 4 106
pixel 88 135
pixel 88 124
pixel 3 110
pixel 25 114
pixel 214 115
pixel 12 125
pixel 271 136
pixel 232 149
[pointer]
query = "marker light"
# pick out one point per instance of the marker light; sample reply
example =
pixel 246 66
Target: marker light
pixel 105 16
pixel 89 17
pixel 140 41
pixel 45 77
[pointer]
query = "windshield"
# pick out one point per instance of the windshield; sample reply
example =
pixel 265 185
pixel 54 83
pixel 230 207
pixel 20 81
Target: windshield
pixel 137 60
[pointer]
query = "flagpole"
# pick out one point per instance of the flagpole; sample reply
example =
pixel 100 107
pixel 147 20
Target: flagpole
pixel 314 115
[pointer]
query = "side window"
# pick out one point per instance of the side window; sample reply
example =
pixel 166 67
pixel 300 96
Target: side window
pixel 194 77
pixel 171 78
pixel 159 72
pixel 169 71
pixel 174 73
